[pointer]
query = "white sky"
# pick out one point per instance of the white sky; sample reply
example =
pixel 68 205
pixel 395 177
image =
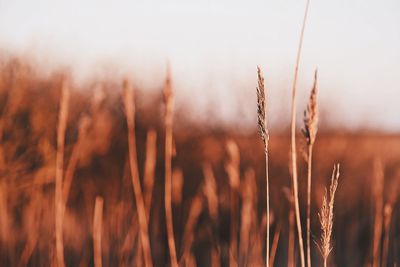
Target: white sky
pixel 215 46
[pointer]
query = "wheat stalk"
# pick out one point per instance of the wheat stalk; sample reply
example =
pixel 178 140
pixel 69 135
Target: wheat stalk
pixel 310 133
pixel 97 229
pixel 263 130
pixel 141 211
pixel 293 140
pixel 62 125
pixel 169 105
pixel 326 215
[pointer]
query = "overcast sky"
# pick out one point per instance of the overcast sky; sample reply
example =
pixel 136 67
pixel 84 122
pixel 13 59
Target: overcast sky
pixel 215 46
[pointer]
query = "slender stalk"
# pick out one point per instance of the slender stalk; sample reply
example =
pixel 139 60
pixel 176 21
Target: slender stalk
pixel 169 105
pixel 263 129
pixel 268 218
pixel 141 211
pixel 310 132
pixel 62 125
pixel 310 151
pixel 97 229
pixel 293 140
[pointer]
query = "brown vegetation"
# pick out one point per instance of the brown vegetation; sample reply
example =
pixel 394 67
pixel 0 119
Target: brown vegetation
pixel 109 188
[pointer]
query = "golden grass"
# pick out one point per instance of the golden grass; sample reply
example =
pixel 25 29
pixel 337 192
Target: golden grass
pixel 263 129
pixel 216 222
pixel 310 133
pixel 326 216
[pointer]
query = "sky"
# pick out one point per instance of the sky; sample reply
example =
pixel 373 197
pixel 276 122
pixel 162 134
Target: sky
pixel 215 46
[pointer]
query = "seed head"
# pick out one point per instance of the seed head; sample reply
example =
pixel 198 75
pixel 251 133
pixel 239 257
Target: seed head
pixel 311 115
pixel 262 109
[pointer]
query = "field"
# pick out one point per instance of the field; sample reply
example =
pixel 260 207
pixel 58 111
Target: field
pixel 76 200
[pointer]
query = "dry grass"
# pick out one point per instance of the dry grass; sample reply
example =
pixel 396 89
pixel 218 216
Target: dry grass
pixel 326 216
pixel 217 190
pixel 310 133
pixel 141 210
pixel 169 105
pixel 263 129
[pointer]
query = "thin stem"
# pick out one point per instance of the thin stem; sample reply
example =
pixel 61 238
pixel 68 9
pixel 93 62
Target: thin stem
pixel 169 103
pixel 267 193
pixel 62 125
pixel 141 211
pixel 310 150
pixel 293 140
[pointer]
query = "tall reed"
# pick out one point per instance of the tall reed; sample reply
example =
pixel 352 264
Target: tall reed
pixel 310 133
pixel 293 140
pixel 169 106
pixel 263 130
pixel 62 125
pixel 326 216
pixel 141 211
